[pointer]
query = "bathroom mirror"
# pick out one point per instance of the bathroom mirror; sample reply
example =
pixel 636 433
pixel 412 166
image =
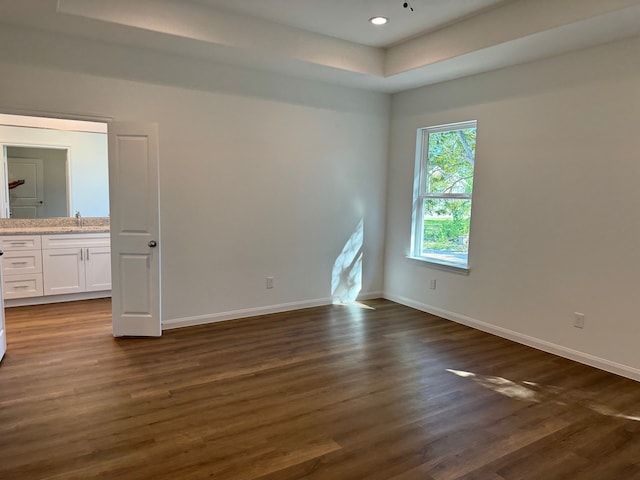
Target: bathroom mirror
pixel 53 168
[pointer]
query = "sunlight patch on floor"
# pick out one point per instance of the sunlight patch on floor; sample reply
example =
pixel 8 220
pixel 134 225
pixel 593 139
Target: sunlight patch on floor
pixel 501 385
pixel 354 304
pixel 534 392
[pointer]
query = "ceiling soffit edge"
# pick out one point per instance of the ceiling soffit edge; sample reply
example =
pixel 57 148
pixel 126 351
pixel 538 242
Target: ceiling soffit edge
pixel 473 45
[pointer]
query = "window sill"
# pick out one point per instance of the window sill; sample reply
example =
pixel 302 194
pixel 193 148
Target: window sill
pixel 440 265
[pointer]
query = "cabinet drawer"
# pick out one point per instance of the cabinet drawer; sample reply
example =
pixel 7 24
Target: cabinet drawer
pixel 22 262
pixel 22 286
pixel 66 240
pixel 21 242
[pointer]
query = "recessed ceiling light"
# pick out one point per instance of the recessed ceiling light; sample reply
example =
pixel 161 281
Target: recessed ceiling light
pixel 378 20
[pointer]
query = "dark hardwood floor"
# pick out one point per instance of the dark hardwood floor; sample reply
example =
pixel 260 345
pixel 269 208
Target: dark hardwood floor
pixel 327 393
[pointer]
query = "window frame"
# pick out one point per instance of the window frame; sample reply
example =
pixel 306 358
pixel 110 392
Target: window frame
pixel 420 195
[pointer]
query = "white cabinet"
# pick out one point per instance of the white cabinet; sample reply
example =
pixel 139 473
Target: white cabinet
pixel 22 286
pixel 98 269
pixel 64 271
pixel 37 266
pixel 70 266
pixel 22 266
pixel 21 242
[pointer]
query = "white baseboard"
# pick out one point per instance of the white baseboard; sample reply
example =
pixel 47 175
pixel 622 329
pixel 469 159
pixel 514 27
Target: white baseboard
pixel 369 296
pixel 581 357
pixel 254 312
pixel 244 313
pixel 70 297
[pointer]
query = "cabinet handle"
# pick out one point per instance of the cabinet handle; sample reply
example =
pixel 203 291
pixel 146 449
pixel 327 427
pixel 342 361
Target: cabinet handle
pixel 87 254
pixel 18 243
pixel 21 286
pixel 81 255
pixel 19 263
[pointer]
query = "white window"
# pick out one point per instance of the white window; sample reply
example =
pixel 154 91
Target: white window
pixel 443 188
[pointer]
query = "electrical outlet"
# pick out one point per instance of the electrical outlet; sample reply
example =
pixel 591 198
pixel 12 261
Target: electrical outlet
pixel 269 282
pixel 432 284
pixel 578 320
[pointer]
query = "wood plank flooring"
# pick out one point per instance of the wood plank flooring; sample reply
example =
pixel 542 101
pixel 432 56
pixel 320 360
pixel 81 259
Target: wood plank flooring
pixel 329 393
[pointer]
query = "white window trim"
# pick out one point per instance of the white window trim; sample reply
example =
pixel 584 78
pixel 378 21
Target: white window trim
pixel 440 265
pixel 419 184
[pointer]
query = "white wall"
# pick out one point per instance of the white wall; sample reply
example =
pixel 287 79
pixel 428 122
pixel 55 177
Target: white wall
pixel 88 165
pixel 555 222
pixel 259 174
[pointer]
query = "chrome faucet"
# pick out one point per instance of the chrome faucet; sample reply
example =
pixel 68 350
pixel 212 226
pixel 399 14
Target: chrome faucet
pixel 79 218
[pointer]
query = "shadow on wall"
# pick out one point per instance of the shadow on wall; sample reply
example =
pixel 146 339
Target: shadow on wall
pixel 346 277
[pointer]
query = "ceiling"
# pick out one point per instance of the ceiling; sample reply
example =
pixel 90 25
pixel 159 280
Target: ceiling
pixel 332 40
pixel 349 19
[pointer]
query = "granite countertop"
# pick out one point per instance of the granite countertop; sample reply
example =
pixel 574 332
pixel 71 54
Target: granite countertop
pixel 48 226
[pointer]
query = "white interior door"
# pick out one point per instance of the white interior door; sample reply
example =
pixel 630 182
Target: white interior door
pixel 135 229
pixel 27 199
pixel 3 334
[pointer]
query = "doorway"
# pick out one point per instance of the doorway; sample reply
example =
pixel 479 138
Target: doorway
pixel 134 228
pixel 50 169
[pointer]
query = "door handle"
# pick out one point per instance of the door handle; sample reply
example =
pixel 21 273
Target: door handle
pixel 153 244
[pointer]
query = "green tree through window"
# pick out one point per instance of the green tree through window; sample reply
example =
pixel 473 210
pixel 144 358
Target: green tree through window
pixel 442 212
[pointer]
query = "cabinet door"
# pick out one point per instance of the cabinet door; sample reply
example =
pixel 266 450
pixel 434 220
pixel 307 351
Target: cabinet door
pixel 63 270
pixel 97 263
